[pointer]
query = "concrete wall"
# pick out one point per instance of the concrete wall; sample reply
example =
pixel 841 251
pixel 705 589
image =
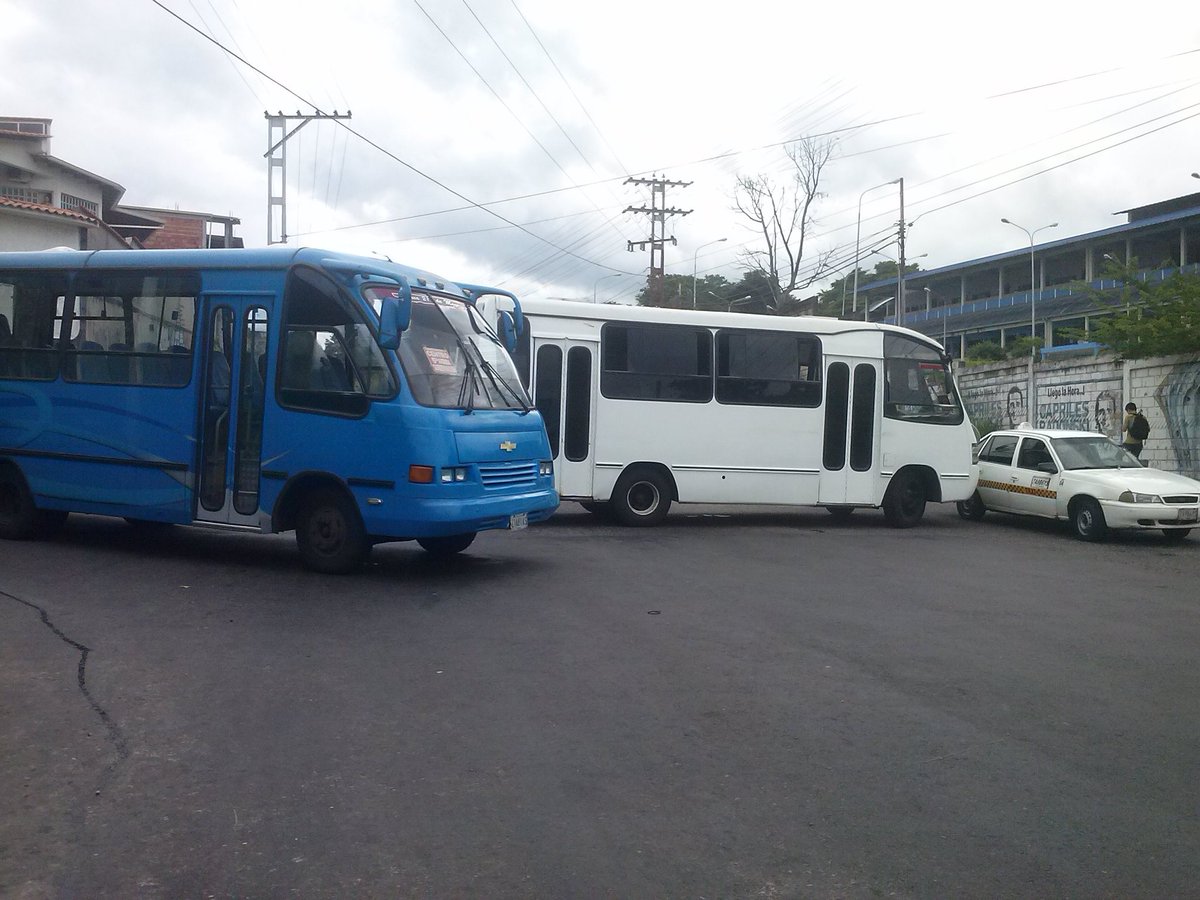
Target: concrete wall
pixel 1089 393
pixel 22 232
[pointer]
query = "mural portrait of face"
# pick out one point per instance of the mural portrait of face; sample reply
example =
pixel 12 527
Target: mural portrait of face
pixel 1179 397
pixel 1107 421
pixel 1016 407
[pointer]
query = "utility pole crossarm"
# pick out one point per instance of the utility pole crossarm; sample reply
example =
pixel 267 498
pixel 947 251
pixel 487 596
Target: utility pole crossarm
pixel 276 156
pixel 658 213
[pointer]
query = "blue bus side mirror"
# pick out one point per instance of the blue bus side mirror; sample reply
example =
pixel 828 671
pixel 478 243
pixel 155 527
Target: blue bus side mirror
pixel 395 316
pixel 509 330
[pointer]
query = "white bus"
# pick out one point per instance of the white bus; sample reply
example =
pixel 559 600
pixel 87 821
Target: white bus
pixel 646 406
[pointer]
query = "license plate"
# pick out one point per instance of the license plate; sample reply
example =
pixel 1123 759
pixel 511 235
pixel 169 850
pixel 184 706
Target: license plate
pixel 519 521
pixel 1188 515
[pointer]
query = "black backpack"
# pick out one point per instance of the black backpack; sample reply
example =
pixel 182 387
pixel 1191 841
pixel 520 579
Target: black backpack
pixel 1139 427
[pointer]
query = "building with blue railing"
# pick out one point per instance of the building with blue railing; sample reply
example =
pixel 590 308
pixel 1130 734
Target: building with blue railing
pixel 992 299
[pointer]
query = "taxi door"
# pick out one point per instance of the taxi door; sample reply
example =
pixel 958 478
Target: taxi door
pixel 1034 479
pixel 996 478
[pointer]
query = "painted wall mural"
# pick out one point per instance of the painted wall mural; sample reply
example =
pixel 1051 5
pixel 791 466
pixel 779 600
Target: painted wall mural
pixel 1091 398
pixel 1081 406
pixel 1000 405
pixel 1179 399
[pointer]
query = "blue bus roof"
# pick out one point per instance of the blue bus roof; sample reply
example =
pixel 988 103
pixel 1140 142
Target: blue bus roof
pixel 256 258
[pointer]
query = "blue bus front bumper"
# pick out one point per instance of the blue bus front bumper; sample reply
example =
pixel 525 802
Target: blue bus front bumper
pixel 415 517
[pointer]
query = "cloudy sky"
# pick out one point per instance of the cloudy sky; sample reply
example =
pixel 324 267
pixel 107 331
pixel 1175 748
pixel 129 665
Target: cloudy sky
pixel 491 139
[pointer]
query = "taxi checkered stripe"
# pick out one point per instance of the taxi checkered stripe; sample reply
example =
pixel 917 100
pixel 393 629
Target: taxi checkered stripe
pixel 1018 489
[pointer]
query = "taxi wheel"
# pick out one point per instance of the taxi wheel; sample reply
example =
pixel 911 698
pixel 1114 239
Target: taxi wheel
pixel 446 546
pixel 1176 535
pixel 1087 518
pixel 971 509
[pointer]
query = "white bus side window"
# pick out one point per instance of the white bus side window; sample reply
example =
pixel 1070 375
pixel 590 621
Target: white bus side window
pixel 768 368
pixel 656 362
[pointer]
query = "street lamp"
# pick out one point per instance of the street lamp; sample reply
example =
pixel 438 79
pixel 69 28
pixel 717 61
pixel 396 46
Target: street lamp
pixel 858 233
pixel 867 308
pixel 1032 280
pixel 1033 404
pixel 729 308
pixel 694 256
pixel 601 278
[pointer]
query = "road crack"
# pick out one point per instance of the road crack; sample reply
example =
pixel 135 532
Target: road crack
pixel 115 735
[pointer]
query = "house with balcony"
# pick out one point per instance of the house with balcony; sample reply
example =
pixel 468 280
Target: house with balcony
pixel 48 202
pixel 995 299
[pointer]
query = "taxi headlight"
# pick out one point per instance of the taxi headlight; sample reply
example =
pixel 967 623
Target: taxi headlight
pixel 1134 497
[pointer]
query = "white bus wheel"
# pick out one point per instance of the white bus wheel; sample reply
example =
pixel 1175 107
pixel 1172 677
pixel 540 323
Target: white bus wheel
pixel 904 502
pixel 641 498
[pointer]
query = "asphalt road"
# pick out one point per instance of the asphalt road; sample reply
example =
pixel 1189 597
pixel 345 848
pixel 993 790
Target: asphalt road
pixel 755 704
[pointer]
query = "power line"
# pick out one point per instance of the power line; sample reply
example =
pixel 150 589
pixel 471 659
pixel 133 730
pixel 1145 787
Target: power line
pixel 599 131
pixel 352 131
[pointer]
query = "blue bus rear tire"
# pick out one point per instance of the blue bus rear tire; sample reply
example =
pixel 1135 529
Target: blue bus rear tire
pixel 20 519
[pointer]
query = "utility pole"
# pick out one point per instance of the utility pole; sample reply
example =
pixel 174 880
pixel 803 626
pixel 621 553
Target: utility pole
pixel 658 213
pixel 900 271
pixel 276 156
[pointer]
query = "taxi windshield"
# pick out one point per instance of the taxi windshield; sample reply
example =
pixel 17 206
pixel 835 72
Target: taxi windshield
pixel 452 359
pixel 1093 453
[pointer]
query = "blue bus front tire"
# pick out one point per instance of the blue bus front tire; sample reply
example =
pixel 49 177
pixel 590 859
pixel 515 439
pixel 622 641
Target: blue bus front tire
pixel 330 533
pixel 447 546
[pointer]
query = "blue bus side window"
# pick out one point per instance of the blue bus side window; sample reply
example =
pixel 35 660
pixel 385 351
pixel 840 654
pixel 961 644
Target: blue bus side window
pixel 30 310
pixel 330 360
pixel 133 328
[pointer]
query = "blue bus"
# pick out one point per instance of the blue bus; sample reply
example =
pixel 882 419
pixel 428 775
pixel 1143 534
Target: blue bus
pixel 350 399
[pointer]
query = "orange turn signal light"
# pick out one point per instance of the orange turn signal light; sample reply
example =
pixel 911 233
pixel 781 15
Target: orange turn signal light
pixel 420 474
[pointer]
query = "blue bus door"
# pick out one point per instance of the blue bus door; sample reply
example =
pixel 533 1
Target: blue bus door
pixel 235 331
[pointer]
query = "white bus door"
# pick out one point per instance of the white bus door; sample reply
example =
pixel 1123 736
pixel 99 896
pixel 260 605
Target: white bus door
pixel 231 415
pixel 850 443
pixel 563 388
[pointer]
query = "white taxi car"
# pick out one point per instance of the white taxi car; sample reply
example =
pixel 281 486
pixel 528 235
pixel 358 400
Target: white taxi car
pixel 1083 478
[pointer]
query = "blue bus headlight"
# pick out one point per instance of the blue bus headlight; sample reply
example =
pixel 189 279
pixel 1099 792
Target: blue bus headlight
pixel 453 474
pixel 546 467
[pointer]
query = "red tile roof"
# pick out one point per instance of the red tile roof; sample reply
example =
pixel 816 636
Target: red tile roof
pixel 14 203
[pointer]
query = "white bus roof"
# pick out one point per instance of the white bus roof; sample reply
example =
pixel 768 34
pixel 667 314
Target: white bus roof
pixel 617 312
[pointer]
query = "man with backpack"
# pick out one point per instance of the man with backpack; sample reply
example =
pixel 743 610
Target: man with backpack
pixel 1136 428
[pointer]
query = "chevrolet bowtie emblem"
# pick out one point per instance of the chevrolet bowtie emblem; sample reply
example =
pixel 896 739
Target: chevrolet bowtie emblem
pixel 508 446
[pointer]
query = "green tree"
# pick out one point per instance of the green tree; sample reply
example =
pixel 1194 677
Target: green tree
pixel 677 292
pixel 830 303
pixel 1149 318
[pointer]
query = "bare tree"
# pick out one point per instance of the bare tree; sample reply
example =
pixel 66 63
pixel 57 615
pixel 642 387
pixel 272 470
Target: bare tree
pixel 782 215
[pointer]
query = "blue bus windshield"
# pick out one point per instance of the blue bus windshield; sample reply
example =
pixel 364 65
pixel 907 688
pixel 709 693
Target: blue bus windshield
pixel 451 358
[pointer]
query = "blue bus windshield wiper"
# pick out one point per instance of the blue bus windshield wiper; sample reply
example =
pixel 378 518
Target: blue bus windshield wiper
pixel 501 385
pixel 470 383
